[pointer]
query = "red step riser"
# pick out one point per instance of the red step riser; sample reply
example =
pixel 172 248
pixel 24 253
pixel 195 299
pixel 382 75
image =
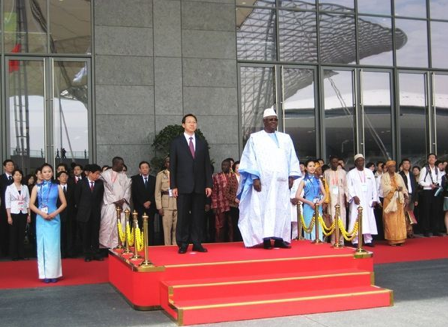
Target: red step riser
pixel 202 316
pixel 164 301
pixel 269 287
pixel 267 268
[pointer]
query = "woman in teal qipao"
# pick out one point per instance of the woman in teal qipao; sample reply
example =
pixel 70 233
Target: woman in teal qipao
pixel 48 225
pixel 311 192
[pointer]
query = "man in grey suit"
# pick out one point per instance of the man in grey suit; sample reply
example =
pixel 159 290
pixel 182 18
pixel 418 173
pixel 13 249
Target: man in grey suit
pixel 190 182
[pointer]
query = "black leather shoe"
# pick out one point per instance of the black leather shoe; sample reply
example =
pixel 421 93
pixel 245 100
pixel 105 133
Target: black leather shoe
pixel 427 235
pixel 88 259
pixel 98 258
pixel 199 248
pixel 267 245
pixel 437 234
pixel 281 245
pixel 183 249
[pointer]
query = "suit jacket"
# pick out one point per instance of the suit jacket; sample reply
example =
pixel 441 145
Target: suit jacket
pixel 140 194
pixel 4 183
pixel 88 203
pixel 188 174
pixel 413 184
pixel 68 213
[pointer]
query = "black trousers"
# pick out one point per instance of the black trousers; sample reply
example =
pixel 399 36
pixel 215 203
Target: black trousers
pixel 430 212
pixel 151 225
pixel 17 235
pixel 378 211
pixel 90 236
pixel 190 218
pixel 4 233
pixel 235 215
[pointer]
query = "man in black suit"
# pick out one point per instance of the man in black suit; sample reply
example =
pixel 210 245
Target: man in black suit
pixel 5 181
pixel 67 216
pixel 143 187
pixel 412 187
pixel 89 197
pixel 190 181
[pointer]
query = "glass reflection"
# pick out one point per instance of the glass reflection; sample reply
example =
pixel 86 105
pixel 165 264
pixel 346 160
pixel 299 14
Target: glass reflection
pixel 337 41
pixel 257 94
pixel 337 5
pixel 25 26
pixel 413 117
pixel 339 114
pixel 375 40
pixel 376 97
pixel 298 41
pixel 410 8
pixel 441 105
pixel 298 4
pixel 415 52
pixel 70 108
pixel 439 44
pixel 26 107
pixel 439 9
pixel 378 7
pixel 70 26
pixel 255 34
pixel 299 110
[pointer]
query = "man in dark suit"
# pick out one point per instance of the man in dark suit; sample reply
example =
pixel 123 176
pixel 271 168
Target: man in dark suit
pixel 143 187
pixel 191 181
pixel 89 197
pixel 5 181
pixel 67 216
pixel 412 187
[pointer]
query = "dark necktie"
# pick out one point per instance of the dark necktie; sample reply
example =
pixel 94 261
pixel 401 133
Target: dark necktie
pixel 146 182
pixel 64 188
pixel 10 180
pixel 91 186
pixel 191 146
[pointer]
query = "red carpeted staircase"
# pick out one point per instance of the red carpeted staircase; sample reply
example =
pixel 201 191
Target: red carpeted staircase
pixel 239 290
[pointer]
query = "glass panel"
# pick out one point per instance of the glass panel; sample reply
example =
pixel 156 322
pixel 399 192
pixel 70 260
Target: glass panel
pixel 439 44
pixel 339 114
pixel 26 26
pixel 71 130
pixel 298 37
pixel 299 110
pixel 257 94
pixel 378 7
pixel 260 3
pixel 439 9
pixel 255 34
pixel 375 41
pixel 337 38
pixel 70 26
pixel 337 5
pixel 414 52
pixel 26 108
pixel 410 8
pixel 413 117
pixel 377 115
pixel 298 4
pixel 441 104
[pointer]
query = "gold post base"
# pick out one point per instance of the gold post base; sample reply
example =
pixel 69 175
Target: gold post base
pixel 317 241
pixel 338 246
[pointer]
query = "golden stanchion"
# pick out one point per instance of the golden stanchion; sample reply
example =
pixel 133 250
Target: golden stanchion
pixel 360 252
pixel 118 210
pixel 299 223
pixel 136 237
pixel 316 225
pixel 126 215
pixel 146 262
pixel 337 244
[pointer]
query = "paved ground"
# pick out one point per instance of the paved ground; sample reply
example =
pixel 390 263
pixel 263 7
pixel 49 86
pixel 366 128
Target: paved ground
pixel 421 299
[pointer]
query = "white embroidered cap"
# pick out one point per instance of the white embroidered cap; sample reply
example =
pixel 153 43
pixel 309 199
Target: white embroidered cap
pixel 269 112
pixel 359 155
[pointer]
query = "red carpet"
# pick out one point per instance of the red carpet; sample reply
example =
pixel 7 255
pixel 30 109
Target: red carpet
pixel 415 249
pixel 23 274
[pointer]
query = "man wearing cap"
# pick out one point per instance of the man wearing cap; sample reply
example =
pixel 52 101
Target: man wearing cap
pixel 268 168
pixel 362 193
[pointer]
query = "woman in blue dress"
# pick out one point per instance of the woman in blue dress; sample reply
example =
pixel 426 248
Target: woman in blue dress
pixel 48 225
pixel 311 192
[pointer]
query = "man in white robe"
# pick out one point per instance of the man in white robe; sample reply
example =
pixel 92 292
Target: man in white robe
pixel 268 168
pixel 362 192
pixel 117 192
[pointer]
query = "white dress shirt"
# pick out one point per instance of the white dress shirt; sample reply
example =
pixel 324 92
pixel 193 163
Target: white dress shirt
pixel 187 137
pixel 17 203
pixel 433 176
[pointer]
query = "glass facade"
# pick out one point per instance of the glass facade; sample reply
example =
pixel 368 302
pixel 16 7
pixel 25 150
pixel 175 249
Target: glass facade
pixel 46 93
pixel 348 76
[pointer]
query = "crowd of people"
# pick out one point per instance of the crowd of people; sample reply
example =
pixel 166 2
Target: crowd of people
pixel 258 200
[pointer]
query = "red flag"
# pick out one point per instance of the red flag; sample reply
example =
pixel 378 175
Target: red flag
pixel 14 65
